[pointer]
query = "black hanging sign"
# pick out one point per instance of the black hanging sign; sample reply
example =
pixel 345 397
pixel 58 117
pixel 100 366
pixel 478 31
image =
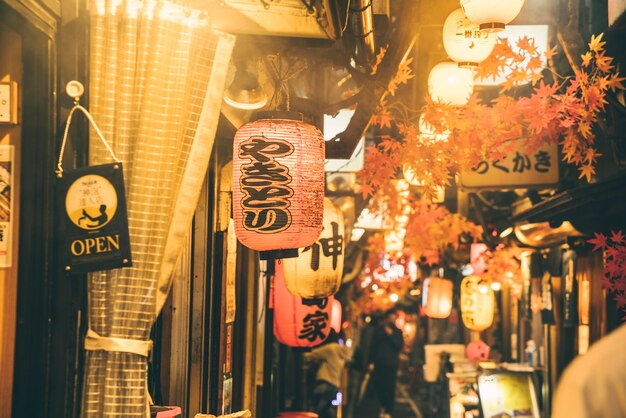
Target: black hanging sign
pixel 91 204
pixel 94 225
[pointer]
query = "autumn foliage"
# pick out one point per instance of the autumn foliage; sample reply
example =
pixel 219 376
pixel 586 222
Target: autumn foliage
pixel 557 109
pixel 614 251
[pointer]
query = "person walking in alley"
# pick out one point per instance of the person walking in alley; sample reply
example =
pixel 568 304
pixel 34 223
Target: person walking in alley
pixel 387 343
pixel 331 357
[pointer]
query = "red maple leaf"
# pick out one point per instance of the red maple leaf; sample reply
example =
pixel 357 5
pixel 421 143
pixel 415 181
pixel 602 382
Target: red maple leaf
pixel 617 237
pixel 599 241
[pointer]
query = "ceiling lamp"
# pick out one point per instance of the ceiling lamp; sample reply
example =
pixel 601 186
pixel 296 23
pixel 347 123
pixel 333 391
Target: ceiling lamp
pixel 464 42
pixel 244 92
pixel 278 184
pixel 492 15
pixel 447 83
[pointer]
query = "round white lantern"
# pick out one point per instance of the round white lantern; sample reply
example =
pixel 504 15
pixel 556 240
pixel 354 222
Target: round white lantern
pixel 464 42
pixel 491 15
pixel 447 83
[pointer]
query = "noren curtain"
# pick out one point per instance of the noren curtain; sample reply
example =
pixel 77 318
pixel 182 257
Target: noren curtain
pixel 157 74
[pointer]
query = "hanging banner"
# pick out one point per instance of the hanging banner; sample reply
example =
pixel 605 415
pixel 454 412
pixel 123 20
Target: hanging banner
pixel 547 299
pixel 570 290
pixel 517 169
pixel 231 266
pixel 6 205
pixel 93 224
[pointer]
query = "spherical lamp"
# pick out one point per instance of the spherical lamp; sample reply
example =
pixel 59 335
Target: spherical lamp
pixel 464 42
pixel 278 184
pixel 491 15
pixel 317 271
pixel 477 303
pixel 450 84
pixel 437 297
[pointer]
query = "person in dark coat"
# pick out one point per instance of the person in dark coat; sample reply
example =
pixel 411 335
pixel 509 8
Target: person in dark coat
pixel 387 343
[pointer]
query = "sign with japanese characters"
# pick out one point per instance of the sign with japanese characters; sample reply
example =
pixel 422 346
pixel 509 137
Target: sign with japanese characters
pixel 94 224
pixel 516 170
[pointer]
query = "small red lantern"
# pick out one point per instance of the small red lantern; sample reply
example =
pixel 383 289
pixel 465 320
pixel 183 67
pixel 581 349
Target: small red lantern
pixel 299 322
pixel 477 351
pixel 335 318
pixel 278 184
pixel 317 271
pixel 437 297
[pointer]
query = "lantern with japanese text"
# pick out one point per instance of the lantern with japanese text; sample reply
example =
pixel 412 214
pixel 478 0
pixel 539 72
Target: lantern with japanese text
pixel 437 297
pixel 335 317
pixel 492 15
pixel 278 184
pixel 464 42
pixel 477 303
pixel 299 322
pixel 448 83
pixel 317 271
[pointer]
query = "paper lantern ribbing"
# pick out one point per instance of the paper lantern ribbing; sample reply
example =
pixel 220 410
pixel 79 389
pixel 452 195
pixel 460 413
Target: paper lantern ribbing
pixel 491 15
pixel 437 297
pixel 317 271
pixel 278 184
pixel 464 42
pixel 335 318
pixel 299 322
pixel 448 83
pixel 477 303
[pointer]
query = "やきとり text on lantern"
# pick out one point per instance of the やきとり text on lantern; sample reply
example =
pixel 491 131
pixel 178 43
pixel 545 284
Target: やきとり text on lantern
pixel 278 184
pixel 317 271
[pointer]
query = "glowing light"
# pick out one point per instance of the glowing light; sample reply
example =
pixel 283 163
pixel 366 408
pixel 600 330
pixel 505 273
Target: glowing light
pixel 496 286
pixel 447 83
pixel 393 297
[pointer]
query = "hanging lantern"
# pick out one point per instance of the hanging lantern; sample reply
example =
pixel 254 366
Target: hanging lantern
pixel 492 15
pixel 464 42
pixel 317 271
pixel 477 303
pixel 299 322
pixel 448 83
pixel 278 184
pixel 335 317
pixel 477 351
pixel 437 297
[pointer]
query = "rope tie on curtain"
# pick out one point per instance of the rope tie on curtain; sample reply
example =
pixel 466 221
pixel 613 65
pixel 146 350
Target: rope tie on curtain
pixel 94 341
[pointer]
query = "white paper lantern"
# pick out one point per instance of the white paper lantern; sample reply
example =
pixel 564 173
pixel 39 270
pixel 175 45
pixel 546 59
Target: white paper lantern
pixel 437 297
pixel 477 303
pixel 447 83
pixel 317 271
pixel 492 15
pixel 464 42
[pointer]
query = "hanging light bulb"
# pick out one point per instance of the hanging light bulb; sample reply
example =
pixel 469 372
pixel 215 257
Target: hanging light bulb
pixel 447 83
pixel 492 15
pixel 464 42
pixel 244 92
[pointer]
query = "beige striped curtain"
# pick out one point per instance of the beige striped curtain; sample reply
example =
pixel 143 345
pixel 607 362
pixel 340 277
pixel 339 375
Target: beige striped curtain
pixel 157 75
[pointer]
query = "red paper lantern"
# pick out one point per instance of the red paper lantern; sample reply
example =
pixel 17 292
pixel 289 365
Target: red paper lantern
pixel 317 271
pixel 299 322
pixel 335 317
pixel 278 184
pixel 437 297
